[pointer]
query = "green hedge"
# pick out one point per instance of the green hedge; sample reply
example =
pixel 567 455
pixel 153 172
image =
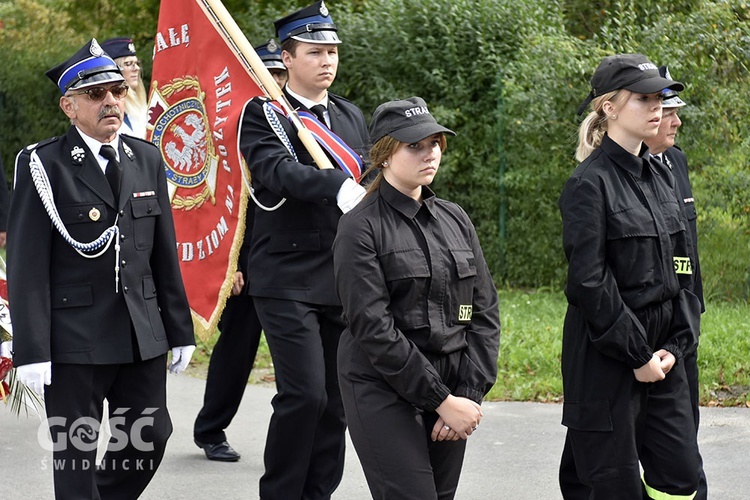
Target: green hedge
pixel 507 75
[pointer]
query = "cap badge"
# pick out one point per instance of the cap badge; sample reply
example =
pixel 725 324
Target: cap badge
pixel 131 48
pixel 78 154
pixel 95 49
pixel 128 151
pixel 666 74
pixel 323 9
pixel 272 47
pixel 94 214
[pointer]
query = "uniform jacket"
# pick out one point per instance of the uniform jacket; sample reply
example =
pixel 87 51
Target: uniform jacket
pixel 291 247
pixel 677 162
pixel 624 234
pixel 418 289
pixel 64 306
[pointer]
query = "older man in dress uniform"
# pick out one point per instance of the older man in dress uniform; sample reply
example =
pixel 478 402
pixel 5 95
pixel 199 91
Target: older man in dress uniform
pixel 98 299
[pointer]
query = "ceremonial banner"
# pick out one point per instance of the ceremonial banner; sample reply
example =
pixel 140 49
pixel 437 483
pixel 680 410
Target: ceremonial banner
pixel 198 90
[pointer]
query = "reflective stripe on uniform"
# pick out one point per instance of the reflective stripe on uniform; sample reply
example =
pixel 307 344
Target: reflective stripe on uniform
pixel 655 494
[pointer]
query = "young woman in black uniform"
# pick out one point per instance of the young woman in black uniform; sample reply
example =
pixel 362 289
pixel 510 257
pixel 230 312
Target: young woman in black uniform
pixel 631 317
pixel 420 349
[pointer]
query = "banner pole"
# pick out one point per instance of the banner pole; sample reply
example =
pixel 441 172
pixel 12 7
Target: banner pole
pixel 258 70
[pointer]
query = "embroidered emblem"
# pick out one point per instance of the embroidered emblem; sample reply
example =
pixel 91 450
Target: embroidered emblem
pixel 323 9
pixel 78 154
pixel 464 312
pixel 182 134
pixel 94 214
pixel 128 151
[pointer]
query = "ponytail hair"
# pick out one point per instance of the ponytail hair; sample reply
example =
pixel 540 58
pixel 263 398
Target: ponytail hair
pixel 594 126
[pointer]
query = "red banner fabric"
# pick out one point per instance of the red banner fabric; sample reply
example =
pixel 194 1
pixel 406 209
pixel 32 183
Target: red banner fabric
pixel 198 90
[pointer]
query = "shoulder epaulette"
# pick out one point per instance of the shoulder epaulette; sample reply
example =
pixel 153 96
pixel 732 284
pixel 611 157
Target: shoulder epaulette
pixel 40 144
pixel 134 138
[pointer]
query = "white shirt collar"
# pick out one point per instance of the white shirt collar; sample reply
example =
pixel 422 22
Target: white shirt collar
pixel 307 102
pixel 95 146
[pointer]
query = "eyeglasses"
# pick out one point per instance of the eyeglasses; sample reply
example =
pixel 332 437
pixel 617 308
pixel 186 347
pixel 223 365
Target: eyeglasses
pixel 99 93
pixel 131 64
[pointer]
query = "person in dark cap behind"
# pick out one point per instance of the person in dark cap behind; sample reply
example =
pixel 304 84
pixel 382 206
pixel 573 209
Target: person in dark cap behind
pixel 663 147
pixel 98 299
pixel 234 352
pixel 291 263
pixel 122 50
pixel 632 315
pixel 270 54
pixel 423 328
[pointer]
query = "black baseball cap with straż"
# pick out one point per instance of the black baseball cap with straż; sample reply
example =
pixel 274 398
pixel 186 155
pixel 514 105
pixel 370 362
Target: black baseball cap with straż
pixel 632 72
pixel 406 120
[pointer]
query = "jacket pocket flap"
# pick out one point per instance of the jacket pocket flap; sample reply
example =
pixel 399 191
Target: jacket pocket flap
pixel 587 416
pixel 149 287
pixel 294 241
pixel 82 213
pixel 465 264
pixel 403 264
pixel 145 207
pixel 72 296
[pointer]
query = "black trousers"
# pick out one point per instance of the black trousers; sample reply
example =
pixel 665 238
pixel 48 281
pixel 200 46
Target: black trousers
pixel 654 425
pixel 304 455
pixel 229 368
pixel 138 418
pixel 691 370
pixel 615 422
pixel 392 437
pixel 571 485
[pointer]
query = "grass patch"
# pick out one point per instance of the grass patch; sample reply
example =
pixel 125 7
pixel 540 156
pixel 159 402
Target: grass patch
pixel 531 343
pixel 528 367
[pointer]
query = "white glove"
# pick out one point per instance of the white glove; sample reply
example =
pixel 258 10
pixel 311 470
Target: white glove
pixel 180 358
pixel 6 348
pixel 35 375
pixel 350 193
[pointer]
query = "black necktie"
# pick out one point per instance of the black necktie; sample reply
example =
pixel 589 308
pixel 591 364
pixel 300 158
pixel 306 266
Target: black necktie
pixel 113 170
pixel 319 111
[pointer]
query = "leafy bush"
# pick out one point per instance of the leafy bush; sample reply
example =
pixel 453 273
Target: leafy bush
pixel 507 75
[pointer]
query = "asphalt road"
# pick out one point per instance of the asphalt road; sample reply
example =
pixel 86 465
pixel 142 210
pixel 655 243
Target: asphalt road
pixel 514 455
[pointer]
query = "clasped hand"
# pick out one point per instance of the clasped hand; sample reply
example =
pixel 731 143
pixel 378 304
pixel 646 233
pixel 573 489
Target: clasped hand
pixel 458 418
pixel 657 368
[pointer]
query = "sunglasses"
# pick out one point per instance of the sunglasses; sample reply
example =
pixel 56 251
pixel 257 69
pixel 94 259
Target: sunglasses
pixel 99 93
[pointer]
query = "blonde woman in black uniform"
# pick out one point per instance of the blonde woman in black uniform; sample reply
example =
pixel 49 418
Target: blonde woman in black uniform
pixel 631 317
pixel 420 349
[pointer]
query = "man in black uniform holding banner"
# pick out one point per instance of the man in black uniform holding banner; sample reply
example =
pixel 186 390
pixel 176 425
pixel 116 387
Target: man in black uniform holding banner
pixel 291 261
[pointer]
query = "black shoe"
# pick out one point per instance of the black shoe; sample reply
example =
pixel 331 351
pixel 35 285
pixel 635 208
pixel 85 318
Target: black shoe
pixel 220 452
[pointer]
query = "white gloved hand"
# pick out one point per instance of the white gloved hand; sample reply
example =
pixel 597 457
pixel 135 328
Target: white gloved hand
pixel 6 349
pixel 350 193
pixel 35 375
pixel 180 358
